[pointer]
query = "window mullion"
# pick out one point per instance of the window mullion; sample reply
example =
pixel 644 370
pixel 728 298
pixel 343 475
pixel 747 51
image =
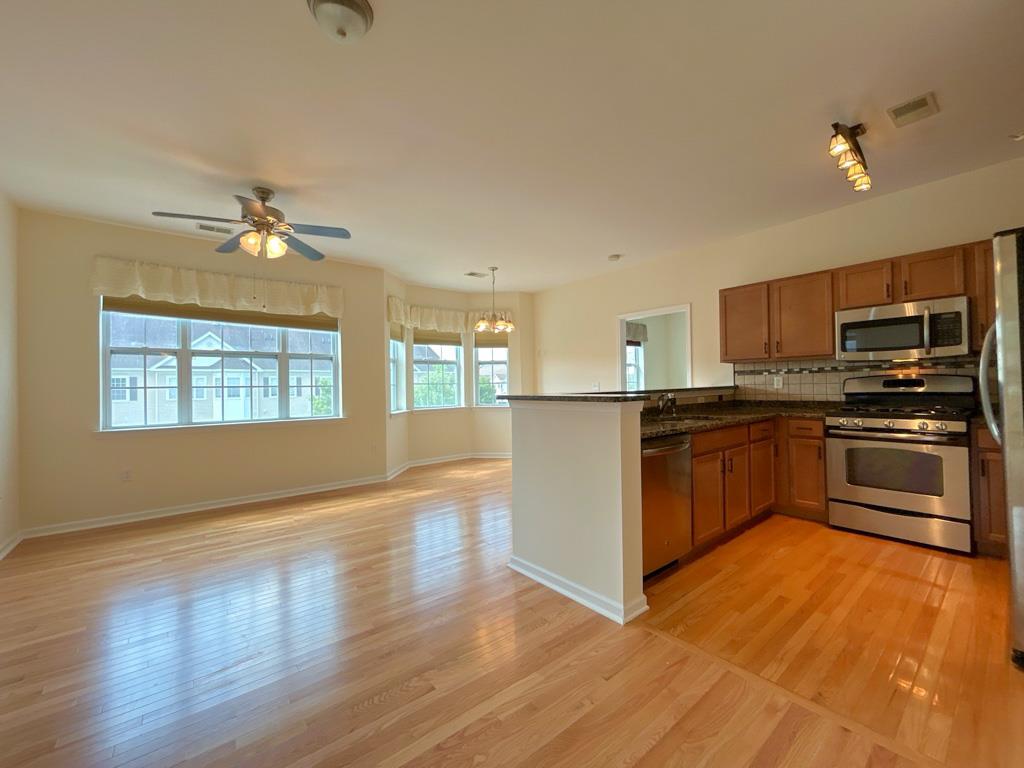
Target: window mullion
pixel 283 394
pixel 184 375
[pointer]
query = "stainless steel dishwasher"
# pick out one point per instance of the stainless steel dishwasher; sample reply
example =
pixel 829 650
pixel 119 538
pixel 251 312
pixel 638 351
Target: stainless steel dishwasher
pixel 665 477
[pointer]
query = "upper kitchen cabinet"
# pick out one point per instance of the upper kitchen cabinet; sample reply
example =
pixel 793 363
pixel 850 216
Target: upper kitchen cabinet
pixel 930 274
pixel 981 290
pixel 863 285
pixel 743 323
pixel 802 316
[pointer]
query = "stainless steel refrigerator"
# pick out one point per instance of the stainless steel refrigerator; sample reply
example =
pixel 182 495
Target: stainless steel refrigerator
pixel 1007 424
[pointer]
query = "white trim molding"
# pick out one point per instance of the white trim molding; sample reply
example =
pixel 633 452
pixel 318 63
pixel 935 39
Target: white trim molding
pixel 606 606
pixel 7 547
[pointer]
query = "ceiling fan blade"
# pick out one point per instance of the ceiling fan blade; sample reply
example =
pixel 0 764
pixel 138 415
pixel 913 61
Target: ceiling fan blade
pixel 252 207
pixel 308 251
pixel 166 215
pixel 231 244
pixel 313 229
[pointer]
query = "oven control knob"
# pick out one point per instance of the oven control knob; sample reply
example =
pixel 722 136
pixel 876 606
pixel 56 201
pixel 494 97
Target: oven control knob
pixel 941 426
pixel 858 423
pixel 888 424
pixel 842 422
pixel 922 425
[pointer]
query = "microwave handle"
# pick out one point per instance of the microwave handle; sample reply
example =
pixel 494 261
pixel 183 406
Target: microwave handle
pixel 927 331
pixel 984 361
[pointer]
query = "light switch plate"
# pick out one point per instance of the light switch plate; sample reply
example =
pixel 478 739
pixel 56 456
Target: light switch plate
pixel 776 382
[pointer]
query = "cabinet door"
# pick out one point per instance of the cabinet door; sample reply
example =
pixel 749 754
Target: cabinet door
pixel 931 274
pixel 803 320
pixel 863 285
pixel 762 476
pixel 991 523
pixel 708 497
pixel 743 322
pixel 666 513
pixel 737 486
pixel 981 289
pixel 807 474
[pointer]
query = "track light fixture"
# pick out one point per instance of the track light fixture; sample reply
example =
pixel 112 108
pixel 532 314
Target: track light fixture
pixel 849 156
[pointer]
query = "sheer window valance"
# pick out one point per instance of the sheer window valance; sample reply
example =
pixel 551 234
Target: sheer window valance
pixel 434 318
pixel 636 332
pixel 158 282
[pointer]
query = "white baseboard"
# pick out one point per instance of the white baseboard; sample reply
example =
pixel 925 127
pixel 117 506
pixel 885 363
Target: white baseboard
pixel 206 506
pixel 11 543
pixel 445 459
pixel 607 607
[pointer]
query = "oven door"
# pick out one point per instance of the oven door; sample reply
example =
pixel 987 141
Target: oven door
pixel 930 478
pixel 910 331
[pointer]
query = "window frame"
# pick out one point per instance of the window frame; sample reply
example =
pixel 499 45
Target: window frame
pixel 460 384
pixel 184 355
pixel 476 376
pixel 640 367
pixel 397 399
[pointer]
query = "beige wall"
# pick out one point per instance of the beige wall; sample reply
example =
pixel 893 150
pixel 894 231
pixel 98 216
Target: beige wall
pixel 577 325
pixel 70 472
pixel 9 502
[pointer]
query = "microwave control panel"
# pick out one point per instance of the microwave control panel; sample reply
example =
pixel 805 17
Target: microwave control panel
pixel 946 329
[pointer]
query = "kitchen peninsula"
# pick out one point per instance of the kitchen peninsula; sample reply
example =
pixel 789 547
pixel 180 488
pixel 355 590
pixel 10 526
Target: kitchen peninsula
pixel 577 511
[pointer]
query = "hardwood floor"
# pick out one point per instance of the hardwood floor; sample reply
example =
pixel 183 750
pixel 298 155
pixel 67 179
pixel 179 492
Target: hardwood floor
pixel 380 626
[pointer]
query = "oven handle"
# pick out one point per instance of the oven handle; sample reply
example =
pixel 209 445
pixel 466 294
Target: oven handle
pixel 901 437
pixel 927 331
pixel 984 362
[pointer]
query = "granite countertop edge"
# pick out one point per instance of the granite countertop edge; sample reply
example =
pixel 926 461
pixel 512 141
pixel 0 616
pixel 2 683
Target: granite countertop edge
pixel 738 414
pixel 621 397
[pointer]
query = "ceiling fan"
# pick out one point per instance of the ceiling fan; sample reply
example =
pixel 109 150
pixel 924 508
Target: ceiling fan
pixel 270 235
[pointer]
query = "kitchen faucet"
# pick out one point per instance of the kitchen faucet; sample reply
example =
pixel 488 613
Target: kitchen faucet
pixel 666 401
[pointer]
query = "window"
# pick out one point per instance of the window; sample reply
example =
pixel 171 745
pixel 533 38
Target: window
pixel 436 370
pixel 491 369
pixel 634 366
pixel 150 360
pixel 396 365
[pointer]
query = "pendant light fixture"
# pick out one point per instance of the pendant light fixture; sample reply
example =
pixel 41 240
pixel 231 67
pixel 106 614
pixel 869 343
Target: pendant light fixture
pixel 849 156
pixel 492 322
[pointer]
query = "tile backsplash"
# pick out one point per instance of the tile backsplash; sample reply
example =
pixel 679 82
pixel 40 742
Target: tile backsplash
pixel 823 379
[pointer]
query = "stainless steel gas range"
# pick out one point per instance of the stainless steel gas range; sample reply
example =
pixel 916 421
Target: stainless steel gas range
pixel 898 458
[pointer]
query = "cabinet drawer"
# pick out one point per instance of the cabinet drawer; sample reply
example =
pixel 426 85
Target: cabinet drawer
pixel 986 441
pixel 716 440
pixel 762 430
pixel 806 428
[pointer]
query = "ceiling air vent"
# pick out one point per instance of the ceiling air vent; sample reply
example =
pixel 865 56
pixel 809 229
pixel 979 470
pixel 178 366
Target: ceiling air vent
pixel 476 274
pixel 911 111
pixel 202 227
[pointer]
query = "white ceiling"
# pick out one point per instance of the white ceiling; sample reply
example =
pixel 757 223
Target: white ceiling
pixel 537 136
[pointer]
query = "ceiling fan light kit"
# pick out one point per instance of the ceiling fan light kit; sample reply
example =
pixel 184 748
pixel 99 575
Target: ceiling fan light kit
pixel 270 235
pixel 343 21
pixel 844 147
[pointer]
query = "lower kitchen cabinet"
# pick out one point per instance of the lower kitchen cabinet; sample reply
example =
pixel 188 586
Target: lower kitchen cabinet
pixel 708 498
pixel 737 486
pixel 762 476
pixel 807 474
pixel 990 518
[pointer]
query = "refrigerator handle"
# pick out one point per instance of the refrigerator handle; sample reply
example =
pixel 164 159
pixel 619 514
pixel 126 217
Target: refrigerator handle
pixel 984 362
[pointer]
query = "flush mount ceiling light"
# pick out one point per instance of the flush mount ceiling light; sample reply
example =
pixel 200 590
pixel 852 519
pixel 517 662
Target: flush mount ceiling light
pixel 492 322
pixel 850 157
pixel 344 21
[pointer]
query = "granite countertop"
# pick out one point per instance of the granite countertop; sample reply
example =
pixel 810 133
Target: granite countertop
pixel 710 416
pixel 622 397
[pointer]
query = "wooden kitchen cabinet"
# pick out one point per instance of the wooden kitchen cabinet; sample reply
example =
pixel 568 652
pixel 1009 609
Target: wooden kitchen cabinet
pixel 737 486
pixel 802 316
pixel 708 498
pixel 762 475
pixel 863 285
pixel 743 323
pixel 931 274
pixel 981 289
pixel 990 517
pixel 807 475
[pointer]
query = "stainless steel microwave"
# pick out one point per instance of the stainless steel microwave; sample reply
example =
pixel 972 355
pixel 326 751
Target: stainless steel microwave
pixel 910 331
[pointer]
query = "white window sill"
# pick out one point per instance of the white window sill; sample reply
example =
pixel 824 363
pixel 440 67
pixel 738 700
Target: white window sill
pixel 221 424
pixel 400 412
pixel 496 406
pixel 439 409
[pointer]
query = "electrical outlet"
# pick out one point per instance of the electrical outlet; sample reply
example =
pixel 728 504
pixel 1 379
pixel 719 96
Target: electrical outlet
pixel 595 387
pixel 776 382
pixel 126 475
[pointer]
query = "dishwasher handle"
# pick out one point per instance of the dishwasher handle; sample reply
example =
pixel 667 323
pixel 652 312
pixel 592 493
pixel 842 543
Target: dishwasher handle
pixel 666 450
